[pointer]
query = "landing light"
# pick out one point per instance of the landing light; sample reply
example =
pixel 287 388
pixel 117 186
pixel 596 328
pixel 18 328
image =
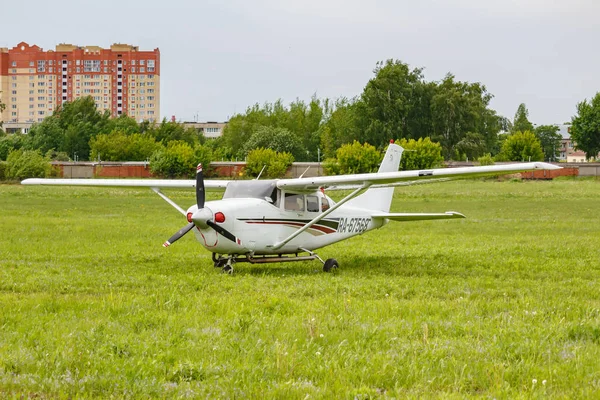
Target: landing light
pixel 219 217
pixel 189 216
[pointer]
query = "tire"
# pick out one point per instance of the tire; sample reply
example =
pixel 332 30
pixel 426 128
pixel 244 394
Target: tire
pixel 330 264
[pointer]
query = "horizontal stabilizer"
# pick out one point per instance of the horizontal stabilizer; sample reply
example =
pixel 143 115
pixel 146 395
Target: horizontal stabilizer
pixel 418 216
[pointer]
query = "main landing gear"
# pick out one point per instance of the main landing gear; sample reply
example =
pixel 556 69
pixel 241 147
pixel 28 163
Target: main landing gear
pixel 226 262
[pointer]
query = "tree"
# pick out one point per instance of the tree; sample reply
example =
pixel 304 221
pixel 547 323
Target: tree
pixel 420 154
pixel 9 143
pixel 2 108
pixel 168 131
pixel 388 102
pixel 69 128
pixel 281 140
pixel 549 139
pixel 585 129
pixel 521 146
pixel 119 146
pixel 521 123
pixel 340 125
pixel 460 114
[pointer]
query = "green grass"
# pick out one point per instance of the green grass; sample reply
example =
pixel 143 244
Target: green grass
pixel 505 303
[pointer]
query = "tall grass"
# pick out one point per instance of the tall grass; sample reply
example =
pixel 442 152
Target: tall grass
pixel 502 304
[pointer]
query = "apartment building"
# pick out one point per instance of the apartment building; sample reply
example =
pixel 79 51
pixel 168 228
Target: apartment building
pixel 121 79
pixel 210 129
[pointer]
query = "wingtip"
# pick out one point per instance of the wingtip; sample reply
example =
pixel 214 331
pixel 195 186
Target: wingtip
pixel 548 166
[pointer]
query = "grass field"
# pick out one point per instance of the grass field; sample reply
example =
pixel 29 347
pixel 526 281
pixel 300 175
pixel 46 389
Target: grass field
pixel 505 303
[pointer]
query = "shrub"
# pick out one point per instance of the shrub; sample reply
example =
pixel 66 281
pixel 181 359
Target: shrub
pixel 354 158
pixel 276 163
pixel 174 161
pixel 23 164
pixel 420 154
pixel 486 159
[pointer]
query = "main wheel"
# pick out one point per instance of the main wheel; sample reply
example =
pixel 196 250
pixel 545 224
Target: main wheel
pixel 330 264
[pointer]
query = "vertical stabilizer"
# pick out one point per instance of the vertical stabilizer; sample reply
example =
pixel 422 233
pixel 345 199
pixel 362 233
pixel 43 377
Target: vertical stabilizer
pixel 380 199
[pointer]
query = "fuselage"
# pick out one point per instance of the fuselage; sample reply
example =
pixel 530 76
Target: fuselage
pixel 259 224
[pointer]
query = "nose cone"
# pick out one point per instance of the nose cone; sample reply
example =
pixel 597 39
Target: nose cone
pixel 201 216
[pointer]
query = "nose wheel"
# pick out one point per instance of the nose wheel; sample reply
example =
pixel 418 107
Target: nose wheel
pixel 225 263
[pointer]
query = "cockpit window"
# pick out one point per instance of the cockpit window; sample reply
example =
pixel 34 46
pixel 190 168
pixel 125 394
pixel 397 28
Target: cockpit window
pixel 324 204
pixel 251 189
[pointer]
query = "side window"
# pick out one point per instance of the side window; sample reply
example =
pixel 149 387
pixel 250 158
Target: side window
pixel 324 204
pixel 294 202
pixel 312 204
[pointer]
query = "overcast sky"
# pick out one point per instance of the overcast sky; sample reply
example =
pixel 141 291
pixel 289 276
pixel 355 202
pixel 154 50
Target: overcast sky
pixel 219 57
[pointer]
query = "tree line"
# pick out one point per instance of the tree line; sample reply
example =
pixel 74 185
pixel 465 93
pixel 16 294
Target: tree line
pixel 396 103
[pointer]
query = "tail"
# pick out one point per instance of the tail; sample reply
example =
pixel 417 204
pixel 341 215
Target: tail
pixel 380 199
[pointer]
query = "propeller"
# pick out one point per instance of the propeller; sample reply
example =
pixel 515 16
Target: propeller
pixel 203 216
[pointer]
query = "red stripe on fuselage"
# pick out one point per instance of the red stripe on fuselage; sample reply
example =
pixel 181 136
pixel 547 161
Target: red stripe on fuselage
pixel 322 228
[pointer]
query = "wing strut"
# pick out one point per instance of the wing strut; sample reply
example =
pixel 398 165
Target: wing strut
pixel 168 200
pixel 319 217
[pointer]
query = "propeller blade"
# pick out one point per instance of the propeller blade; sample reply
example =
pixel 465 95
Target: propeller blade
pixel 223 231
pixel 200 195
pixel 179 234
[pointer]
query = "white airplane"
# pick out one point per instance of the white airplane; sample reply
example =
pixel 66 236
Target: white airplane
pixel 263 221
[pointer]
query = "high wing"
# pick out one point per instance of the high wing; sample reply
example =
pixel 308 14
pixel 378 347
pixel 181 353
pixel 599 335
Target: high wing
pixel 132 183
pixel 385 179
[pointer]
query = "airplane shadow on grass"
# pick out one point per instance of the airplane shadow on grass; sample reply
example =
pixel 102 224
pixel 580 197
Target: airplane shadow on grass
pixel 437 265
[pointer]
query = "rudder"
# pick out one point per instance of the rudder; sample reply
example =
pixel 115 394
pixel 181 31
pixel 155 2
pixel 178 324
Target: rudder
pixel 381 198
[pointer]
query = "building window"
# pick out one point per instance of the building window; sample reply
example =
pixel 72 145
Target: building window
pixel 91 66
pixel 13 64
pixel 41 65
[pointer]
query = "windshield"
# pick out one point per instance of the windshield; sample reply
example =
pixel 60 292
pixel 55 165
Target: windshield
pixel 250 189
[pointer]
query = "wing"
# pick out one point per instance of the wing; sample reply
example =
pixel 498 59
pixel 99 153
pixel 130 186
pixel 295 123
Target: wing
pixel 385 179
pixel 131 183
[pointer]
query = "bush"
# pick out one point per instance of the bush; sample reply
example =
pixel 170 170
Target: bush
pixel 175 161
pixel 179 160
pixel 354 158
pixel 486 159
pixel 23 164
pixel 276 163
pixel 420 154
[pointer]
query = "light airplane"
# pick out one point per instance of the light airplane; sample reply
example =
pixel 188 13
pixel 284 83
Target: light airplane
pixel 263 221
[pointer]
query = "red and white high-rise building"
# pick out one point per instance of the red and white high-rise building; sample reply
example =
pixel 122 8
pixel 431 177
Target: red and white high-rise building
pixel 122 80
